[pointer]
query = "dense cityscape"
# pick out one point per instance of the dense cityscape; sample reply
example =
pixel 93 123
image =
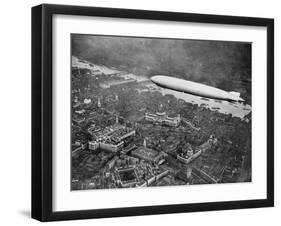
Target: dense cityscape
pixel 127 133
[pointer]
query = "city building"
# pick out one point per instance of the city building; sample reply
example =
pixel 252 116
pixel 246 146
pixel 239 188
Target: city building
pixel 154 178
pixel 80 111
pixel 144 153
pixel 128 149
pixel 78 120
pixel 127 177
pixel 148 154
pixel 122 133
pixel 87 101
pixel 111 163
pixel 76 152
pixel 106 145
pixel 93 129
pixel 76 104
pixel 163 119
pixel 189 155
pixel 93 145
pixel 111 146
pixel 110 138
pixel 184 174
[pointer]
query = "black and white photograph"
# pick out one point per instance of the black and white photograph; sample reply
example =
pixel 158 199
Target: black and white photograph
pixel 151 112
pixel 136 113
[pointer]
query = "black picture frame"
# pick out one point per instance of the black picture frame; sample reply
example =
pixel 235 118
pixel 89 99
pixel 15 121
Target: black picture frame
pixel 42 107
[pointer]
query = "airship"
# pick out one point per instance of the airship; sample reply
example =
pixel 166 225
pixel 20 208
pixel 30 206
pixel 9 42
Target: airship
pixel 195 88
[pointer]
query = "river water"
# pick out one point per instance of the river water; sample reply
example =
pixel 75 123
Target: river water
pixel 225 107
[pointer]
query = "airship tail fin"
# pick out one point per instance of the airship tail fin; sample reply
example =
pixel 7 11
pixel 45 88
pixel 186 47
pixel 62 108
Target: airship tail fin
pixel 236 94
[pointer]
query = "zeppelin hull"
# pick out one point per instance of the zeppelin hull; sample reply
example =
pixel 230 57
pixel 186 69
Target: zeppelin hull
pixel 193 88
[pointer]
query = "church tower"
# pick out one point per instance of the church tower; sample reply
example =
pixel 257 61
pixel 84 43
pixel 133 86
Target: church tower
pixel 144 143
